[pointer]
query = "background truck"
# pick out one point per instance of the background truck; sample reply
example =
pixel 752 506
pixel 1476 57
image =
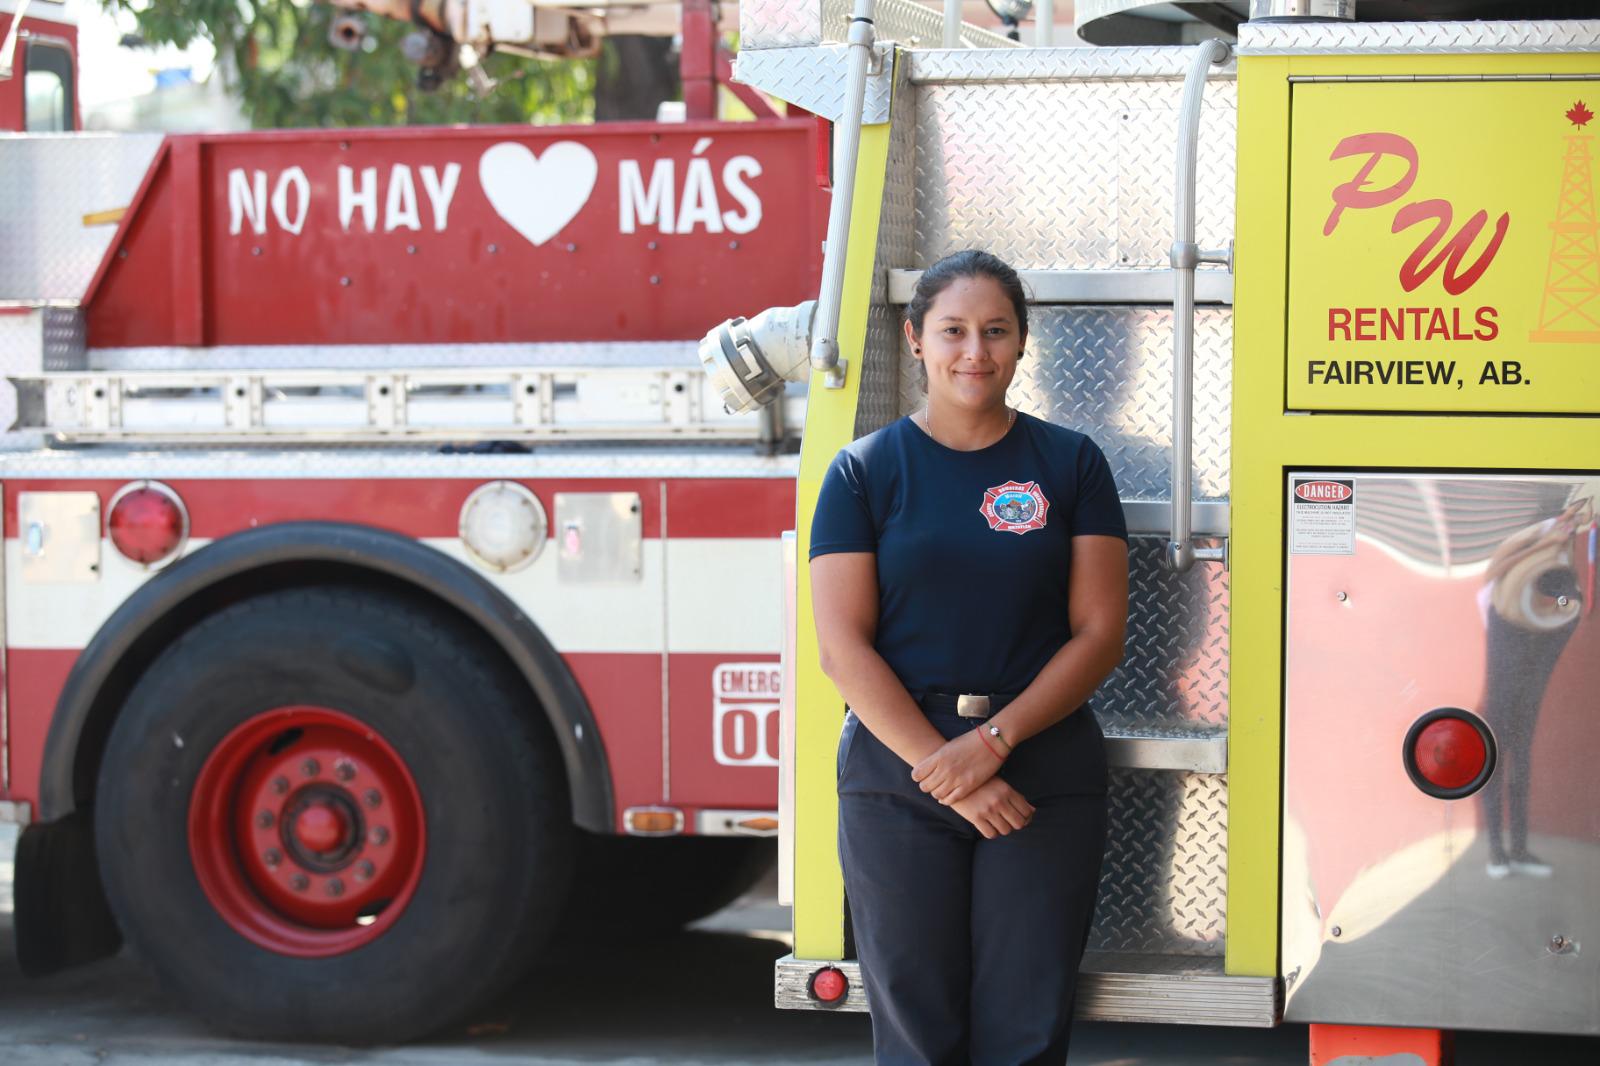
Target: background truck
pixel 381 572
pixel 1329 299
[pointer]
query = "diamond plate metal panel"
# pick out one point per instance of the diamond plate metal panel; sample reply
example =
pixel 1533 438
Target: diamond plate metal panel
pixel 907 23
pixel 1367 38
pixel 1173 681
pixel 51 182
pixel 1066 175
pixel 1054 64
pixel 1107 371
pixel 64 338
pixel 1163 882
pixel 878 402
pixel 779 24
pixel 813 78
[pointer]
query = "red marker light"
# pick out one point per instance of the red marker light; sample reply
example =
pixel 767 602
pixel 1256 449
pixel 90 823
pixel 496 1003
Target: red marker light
pixel 147 522
pixel 1449 753
pixel 829 985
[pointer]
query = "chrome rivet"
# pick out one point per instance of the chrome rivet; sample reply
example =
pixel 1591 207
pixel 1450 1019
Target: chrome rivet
pixel 653 245
pixel 273 857
pixel 572 247
pixel 1562 601
pixel 345 280
pixel 365 870
pixel 493 248
pixel 310 767
pixel 299 882
pixel 1337 931
pixel 280 785
pixel 335 887
pixel 734 245
pixel 372 797
pixel 380 835
pixel 1341 596
pixel 256 250
pixel 411 249
pixel 1558 942
pixel 655 279
pixel 344 769
pixel 264 820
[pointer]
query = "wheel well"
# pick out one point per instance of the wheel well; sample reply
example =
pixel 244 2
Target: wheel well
pixel 294 555
pixel 190 612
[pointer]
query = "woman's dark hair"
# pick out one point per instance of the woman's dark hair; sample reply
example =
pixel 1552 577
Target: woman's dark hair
pixel 971 263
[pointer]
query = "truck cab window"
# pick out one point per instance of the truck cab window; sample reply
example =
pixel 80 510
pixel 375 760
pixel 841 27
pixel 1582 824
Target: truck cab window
pixel 48 87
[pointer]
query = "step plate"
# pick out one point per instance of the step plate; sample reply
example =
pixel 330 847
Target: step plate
pixel 1111 988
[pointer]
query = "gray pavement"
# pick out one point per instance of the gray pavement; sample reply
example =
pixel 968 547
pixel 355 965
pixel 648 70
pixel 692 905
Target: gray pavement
pixel 700 997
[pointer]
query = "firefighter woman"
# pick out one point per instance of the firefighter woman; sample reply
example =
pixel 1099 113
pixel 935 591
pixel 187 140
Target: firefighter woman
pixel 969 572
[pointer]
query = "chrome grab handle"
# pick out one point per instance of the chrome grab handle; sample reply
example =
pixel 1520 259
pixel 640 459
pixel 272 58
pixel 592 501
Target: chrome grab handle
pixel 825 334
pixel 1186 255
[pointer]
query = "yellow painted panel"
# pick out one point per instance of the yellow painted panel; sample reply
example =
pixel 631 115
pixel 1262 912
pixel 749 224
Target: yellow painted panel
pixel 819 710
pixel 1255 634
pixel 1443 247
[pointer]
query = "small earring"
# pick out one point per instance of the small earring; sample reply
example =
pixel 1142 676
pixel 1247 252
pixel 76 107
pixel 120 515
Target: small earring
pixel 916 351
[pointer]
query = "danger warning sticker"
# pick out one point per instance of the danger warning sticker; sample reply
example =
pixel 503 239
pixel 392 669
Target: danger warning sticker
pixel 1322 516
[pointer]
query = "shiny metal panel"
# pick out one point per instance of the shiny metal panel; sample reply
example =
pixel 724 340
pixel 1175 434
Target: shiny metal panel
pixel 1173 681
pixel 1204 754
pixel 814 78
pixel 64 338
pixel 877 403
pixel 25 456
pixel 1370 38
pixel 51 182
pixel 1164 880
pixel 1186 990
pixel 60 536
pixel 779 24
pixel 1092 286
pixel 1107 372
pixel 639 354
pixel 949 66
pixel 1463 591
pixel 1020 168
pixel 599 537
pixel 909 24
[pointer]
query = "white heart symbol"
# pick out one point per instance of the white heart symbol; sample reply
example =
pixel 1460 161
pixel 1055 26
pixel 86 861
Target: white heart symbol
pixel 538 196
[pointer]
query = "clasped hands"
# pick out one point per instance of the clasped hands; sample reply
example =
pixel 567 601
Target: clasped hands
pixel 961 775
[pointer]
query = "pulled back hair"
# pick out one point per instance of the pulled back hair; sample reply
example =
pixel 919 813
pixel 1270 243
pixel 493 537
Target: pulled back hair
pixel 971 263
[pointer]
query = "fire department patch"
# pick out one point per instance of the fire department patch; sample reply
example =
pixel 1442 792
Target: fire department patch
pixel 1015 507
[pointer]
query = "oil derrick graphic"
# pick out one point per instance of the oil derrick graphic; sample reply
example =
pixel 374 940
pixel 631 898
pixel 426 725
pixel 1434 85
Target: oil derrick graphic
pixel 1570 310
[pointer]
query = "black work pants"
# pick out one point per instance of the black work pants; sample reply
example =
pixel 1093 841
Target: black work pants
pixel 970 948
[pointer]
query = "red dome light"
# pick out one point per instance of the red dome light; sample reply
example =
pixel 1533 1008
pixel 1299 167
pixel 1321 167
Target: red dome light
pixel 147 523
pixel 1449 753
pixel 829 985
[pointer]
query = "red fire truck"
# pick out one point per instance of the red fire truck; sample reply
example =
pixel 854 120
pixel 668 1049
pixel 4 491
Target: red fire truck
pixel 380 568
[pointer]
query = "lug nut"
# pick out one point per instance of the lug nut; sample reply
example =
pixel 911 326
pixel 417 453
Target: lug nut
pixel 280 785
pixel 344 769
pixel 273 856
pixel 310 767
pixel 380 835
pixel 335 887
pixel 299 882
pixel 365 869
pixel 264 820
pixel 372 797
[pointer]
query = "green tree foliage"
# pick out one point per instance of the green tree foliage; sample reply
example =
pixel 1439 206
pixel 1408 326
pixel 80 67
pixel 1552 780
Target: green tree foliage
pixel 276 57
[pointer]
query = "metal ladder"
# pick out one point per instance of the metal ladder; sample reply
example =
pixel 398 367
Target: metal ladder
pixel 364 406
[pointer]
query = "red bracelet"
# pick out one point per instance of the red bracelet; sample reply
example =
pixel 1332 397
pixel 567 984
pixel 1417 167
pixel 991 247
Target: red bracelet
pixel 988 745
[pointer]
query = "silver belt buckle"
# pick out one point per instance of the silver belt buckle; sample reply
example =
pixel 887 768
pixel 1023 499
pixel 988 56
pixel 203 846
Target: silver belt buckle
pixel 970 706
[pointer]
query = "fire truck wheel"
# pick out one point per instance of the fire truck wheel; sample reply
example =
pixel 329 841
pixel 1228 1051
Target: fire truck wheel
pixel 642 886
pixel 321 816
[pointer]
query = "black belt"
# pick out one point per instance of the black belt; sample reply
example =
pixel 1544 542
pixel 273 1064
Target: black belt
pixel 968 705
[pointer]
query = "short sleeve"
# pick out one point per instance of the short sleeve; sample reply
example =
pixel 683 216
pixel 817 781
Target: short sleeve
pixel 843 520
pixel 1098 508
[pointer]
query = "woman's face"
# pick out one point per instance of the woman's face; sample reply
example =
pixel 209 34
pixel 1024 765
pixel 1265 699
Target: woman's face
pixel 970 344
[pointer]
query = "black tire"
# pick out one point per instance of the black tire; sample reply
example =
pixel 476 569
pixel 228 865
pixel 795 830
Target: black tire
pixel 647 886
pixel 496 870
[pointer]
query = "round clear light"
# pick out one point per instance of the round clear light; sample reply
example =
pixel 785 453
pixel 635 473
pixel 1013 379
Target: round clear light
pixel 503 526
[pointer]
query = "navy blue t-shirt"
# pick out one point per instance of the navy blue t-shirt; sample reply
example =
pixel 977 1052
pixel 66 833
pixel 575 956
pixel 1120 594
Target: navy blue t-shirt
pixel 974 548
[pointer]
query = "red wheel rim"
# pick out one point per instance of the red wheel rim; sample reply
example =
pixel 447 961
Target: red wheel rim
pixel 306 832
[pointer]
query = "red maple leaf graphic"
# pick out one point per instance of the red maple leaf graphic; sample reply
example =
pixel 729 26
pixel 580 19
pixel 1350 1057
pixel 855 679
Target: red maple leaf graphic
pixel 1579 114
